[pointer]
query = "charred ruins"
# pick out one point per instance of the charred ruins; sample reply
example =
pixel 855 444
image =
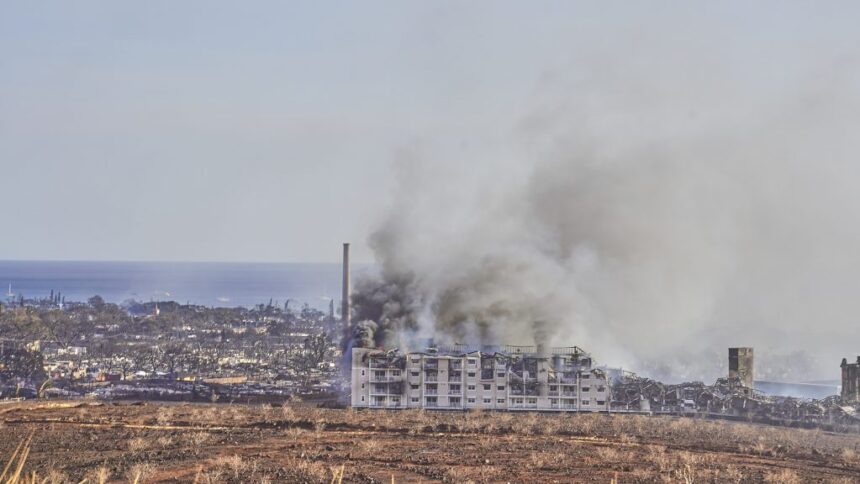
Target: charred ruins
pixel 564 379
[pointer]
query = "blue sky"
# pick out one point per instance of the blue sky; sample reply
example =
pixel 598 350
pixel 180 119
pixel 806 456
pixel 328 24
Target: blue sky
pixel 271 131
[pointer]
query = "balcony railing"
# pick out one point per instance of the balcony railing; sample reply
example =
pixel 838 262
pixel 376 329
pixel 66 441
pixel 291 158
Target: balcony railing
pixel 431 392
pixel 455 392
pixel 431 404
pixel 384 379
pixel 431 378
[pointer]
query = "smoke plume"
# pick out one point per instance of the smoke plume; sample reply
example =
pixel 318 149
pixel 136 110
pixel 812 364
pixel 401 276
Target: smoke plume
pixel 652 220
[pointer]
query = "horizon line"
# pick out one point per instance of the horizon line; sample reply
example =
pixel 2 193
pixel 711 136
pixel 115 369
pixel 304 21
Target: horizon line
pixel 178 261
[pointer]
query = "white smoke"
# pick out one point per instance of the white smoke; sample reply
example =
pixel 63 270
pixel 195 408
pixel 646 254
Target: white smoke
pixel 645 217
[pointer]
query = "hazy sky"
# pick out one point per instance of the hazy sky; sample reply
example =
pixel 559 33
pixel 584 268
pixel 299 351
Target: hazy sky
pixel 205 130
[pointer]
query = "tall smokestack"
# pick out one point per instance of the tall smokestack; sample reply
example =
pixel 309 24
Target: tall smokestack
pixel 345 304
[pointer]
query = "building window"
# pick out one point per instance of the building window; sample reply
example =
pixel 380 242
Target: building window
pixel 413 386
pixel 501 388
pixel 531 401
pixel 601 402
pixel 471 374
pixel 470 400
pixel 395 372
pixel 362 398
pixel 488 401
pixel 601 389
pixel 472 362
pixel 553 401
pixel 501 401
pixel 414 373
pixel 471 387
pixel 488 387
pixel 416 360
pixel 362 372
pixel 585 389
pixel 553 388
pixel 500 374
pixel 585 402
pixel 415 399
pixel 586 376
pixel 362 386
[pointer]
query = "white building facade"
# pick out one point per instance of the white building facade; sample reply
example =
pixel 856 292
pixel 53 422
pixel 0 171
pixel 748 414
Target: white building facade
pixel 490 378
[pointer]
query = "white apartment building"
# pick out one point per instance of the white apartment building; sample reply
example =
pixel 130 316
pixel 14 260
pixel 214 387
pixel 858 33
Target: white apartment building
pixel 500 378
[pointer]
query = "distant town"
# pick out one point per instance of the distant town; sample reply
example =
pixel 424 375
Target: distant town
pixel 51 347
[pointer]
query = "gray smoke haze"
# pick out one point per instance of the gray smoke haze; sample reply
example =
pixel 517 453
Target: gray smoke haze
pixel 653 213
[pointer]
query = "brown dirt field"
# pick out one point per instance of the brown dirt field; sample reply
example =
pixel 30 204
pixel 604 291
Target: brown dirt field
pixel 235 443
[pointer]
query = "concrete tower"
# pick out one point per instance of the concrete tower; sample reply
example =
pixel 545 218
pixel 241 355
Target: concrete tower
pixel 741 365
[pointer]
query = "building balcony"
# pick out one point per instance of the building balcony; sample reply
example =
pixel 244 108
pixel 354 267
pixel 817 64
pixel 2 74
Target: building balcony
pixel 431 392
pixel 455 392
pixel 431 404
pixel 384 392
pixel 523 405
pixel 431 378
pixel 385 379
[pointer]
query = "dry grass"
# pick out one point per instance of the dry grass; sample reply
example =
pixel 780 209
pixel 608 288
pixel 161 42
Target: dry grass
pixel 608 453
pixel 305 470
pixel 99 476
pixel 491 446
pixel 731 474
pixel 783 476
pixel 140 473
pixel 137 444
pixel 165 417
pixel 234 464
pixel 197 439
pixel 287 413
pixel 164 441
pixel 369 445
pixel 686 474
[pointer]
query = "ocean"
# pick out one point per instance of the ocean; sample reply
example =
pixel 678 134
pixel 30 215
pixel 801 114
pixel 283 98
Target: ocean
pixel 223 284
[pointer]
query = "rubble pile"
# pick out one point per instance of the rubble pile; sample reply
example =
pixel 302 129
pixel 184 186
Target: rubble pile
pixel 730 399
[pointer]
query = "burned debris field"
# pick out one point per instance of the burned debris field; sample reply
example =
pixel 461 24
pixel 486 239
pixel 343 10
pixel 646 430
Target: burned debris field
pixel 119 442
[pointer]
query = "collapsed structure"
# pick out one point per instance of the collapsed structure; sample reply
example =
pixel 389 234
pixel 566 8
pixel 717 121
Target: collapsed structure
pixel 488 377
pixel 735 397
